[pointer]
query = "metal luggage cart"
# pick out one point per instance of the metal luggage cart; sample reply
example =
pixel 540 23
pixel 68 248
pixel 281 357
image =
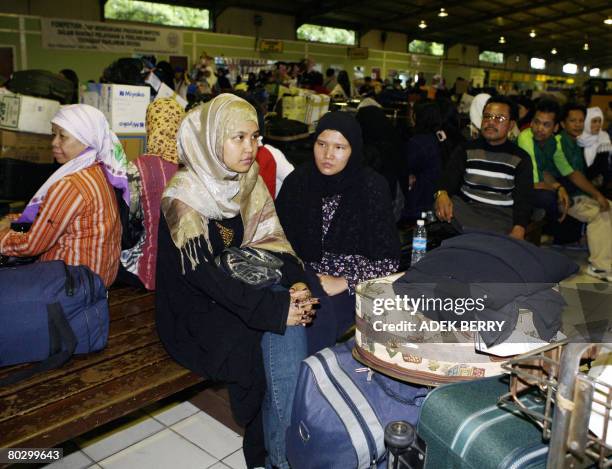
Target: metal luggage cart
pixel 571 399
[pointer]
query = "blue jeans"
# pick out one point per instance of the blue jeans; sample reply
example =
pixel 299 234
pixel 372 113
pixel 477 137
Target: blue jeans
pixel 282 355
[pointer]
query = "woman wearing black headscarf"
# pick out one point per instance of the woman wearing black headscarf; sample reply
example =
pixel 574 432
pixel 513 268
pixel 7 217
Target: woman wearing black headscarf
pixel 337 215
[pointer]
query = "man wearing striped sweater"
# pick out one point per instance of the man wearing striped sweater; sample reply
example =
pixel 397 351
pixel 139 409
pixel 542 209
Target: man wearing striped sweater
pixel 488 183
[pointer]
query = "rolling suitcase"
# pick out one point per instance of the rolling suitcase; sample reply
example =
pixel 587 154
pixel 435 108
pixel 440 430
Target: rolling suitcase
pixel 464 427
pixel 341 409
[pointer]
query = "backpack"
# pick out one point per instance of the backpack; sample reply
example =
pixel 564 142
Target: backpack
pixel 340 411
pixel 48 312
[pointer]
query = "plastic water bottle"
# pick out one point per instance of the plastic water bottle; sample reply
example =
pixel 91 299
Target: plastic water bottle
pixel 419 242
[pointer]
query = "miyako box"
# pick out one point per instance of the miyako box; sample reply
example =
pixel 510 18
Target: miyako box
pixel 125 107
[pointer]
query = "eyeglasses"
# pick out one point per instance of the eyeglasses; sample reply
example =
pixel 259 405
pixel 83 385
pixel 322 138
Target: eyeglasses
pixel 495 117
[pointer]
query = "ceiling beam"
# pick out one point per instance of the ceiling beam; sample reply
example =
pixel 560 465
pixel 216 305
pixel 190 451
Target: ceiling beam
pixel 539 22
pixel 605 57
pixel 537 45
pixel 431 7
pixel 491 16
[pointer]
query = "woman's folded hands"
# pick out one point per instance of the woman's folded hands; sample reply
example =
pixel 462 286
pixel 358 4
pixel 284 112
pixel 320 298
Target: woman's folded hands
pixel 301 303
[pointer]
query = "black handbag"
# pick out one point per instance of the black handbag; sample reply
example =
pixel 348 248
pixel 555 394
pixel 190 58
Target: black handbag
pixel 256 267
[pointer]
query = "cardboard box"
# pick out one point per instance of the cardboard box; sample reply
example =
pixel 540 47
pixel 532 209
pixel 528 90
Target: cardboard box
pixel 294 107
pixel 34 148
pixel 317 105
pixel 90 97
pixel 27 113
pixel 134 145
pixel 165 91
pixel 125 107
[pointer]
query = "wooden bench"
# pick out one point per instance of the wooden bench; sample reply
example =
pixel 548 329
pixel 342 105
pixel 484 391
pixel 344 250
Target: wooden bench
pixel 133 371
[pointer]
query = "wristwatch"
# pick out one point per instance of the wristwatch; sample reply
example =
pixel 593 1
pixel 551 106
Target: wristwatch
pixel 438 193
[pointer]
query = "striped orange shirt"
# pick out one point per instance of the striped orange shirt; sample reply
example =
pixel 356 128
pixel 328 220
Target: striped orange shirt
pixel 78 222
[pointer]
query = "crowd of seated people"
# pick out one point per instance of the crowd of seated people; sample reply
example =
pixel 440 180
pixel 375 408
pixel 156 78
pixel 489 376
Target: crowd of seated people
pixel 332 222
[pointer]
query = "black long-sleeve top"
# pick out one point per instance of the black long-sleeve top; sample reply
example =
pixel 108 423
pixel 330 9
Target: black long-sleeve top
pixel 210 322
pixel 500 175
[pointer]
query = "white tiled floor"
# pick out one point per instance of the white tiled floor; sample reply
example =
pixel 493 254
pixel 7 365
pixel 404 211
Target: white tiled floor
pixel 165 449
pixel 119 440
pixel 176 437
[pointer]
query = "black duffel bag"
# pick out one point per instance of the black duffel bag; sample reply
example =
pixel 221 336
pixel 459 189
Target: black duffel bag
pixel 126 71
pixel 42 84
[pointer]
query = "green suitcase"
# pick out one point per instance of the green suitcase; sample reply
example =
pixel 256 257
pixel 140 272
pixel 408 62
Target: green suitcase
pixel 464 427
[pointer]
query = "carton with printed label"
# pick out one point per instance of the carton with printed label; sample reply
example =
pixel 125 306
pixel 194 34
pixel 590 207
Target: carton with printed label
pixel 27 113
pixel 125 107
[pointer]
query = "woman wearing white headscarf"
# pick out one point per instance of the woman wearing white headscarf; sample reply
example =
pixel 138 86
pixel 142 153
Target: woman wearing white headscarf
pixel 476 108
pixel 594 139
pixel 74 215
pixel 210 322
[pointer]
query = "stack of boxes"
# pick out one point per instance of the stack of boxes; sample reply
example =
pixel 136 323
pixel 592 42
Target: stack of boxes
pixel 26 159
pixel 294 107
pixel 306 108
pixel 125 108
pixel 317 106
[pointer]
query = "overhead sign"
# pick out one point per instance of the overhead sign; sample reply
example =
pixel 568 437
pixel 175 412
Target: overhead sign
pixel 109 37
pixel 268 45
pixel 358 52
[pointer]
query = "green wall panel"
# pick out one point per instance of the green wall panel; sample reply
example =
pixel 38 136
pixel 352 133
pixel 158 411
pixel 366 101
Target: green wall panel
pixel 87 65
pixel 90 65
pixel 32 24
pixel 9 39
pixel 8 22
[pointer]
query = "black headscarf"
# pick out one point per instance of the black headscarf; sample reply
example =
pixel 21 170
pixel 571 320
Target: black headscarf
pixel 363 223
pixel 346 124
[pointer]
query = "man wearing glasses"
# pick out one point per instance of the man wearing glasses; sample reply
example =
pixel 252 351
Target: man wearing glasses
pixel 488 183
pixel 543 147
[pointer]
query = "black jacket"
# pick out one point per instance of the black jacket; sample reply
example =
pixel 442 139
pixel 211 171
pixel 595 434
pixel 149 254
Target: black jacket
pixel 211 323
pixel 509 273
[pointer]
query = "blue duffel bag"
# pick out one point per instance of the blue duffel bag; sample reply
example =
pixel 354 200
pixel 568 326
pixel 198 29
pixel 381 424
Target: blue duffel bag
pixel 48 312
pixel 341 409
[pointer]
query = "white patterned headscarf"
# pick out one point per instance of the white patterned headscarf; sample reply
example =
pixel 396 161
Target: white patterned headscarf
pixel 476 109
pixel 89 126
pixel 206 189
pixel 590 141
